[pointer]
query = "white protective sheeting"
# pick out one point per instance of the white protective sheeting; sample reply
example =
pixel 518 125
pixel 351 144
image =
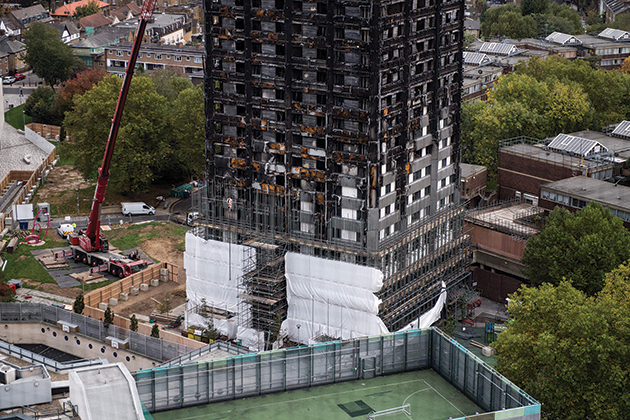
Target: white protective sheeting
pixel 331 297
pixel 211 272
pixel 429 317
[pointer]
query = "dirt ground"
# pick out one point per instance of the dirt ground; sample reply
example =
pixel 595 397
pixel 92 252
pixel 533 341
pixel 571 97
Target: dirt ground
pixel 62 179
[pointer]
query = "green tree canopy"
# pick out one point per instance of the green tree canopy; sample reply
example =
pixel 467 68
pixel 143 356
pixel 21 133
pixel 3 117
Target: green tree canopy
pixel 40 105
pixel 189 139
pixel 570 351
pixel 530 7
pixel 579 247
pixel 508 21
pixel 47 55
pixel 142 143
pixel 155 331
pixel 169 84
pixel 87 10
pixel 79 304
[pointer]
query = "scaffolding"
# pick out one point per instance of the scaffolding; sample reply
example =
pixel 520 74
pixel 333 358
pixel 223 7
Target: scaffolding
pixel 262 288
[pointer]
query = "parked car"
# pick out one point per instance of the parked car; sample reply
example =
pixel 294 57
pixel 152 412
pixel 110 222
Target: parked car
pixel 8 80
pixel 19 76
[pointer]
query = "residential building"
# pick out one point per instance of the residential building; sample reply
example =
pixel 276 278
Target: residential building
pixel 68 31
pixel 92 49
pixel 24 17
pixel 13 55
pixel 611 8
pixel 334 128
pixel 612 45
pixel 88 24
pixel 66 12
pixel 183 60
pixel 9 27
pixel 163 28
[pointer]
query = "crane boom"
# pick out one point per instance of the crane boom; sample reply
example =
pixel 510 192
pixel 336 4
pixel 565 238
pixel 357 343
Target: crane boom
pixel 92 240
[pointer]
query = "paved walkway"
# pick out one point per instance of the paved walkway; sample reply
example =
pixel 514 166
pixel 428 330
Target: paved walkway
pixel 37 296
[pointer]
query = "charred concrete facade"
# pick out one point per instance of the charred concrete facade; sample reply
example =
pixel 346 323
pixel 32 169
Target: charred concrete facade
pixel 334 125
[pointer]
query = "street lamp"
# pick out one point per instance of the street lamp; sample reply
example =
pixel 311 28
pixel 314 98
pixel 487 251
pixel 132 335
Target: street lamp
pixel 23 120
pixel 298 327
pixel 78 212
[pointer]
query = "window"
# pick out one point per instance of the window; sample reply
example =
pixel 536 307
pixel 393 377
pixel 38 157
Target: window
pixel 297 96
pixel 240 45
pixel 139 55
pixel 297 51
pixel 178 58
pixel 198 60
pixel 158 56
pixel 321 52
pixel 188 58
pixel 297 74
pixel 279 71
pixel 279 93
pixel 321 121
pixel 297 118
pixel 256 47
pixel 280 49
pixel 321 99
pixel 119 53
pixel 256 25
pixel 321 76
pixel 168 56
pixel 297 28
pixel 240 88
pixel 256 68
pixel 321 8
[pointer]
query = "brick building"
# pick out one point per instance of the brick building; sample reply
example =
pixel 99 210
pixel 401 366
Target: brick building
pixel 575 193
pixel 524 164
pixel 183 60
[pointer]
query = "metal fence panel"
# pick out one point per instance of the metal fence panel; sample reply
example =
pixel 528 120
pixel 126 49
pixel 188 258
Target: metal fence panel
pixel 253 374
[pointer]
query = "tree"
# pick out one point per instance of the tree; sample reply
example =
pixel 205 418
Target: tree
pixel 78 84
pixel 155 331
pixel 87 10
pixel 48 56
pixel 165 305
pixel 578 247
pixel 40 105
pixel 625 66
pixel 530 7
pixel 209 331
pixel 189 138
pixel 7 294
pixel 142 143
pixel 569 351
pixel 169 84
pixel 108 318
pixel 133 324
pixel 508 21
pixel 78 305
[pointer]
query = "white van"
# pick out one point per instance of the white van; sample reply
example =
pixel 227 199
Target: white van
pixel 129 209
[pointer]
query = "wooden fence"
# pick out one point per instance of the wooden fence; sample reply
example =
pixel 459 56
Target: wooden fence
pixel 29 178
pixel 113 290
pixel 93 298
pixel 45 129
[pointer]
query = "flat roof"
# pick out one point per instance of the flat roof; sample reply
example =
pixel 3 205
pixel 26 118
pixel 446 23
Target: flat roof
pixel 591 41
pixel 430 396
pixel 613 144
pixel 537 152
pixel 468 169
pixel 591 189
pixel 13 148
pixel 505 216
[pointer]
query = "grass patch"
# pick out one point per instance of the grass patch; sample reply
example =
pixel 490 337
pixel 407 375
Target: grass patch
pixel 134 235
pixel 64 150
pixel 16 118
pixel 129 241
pixel 28 267
pixel 94 286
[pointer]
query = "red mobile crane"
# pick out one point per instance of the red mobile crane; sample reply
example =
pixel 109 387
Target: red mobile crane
pixel 90 246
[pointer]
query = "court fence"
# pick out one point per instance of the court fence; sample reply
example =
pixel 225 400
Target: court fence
pixel 172 387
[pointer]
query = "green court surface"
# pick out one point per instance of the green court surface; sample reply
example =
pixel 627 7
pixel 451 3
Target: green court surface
pixel 429 395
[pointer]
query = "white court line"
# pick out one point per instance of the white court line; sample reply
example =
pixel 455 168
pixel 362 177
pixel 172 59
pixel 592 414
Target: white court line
pixel 454 406
pixel 312 398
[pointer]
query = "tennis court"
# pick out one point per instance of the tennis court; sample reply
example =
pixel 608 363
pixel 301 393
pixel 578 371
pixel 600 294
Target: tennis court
pixel 429 396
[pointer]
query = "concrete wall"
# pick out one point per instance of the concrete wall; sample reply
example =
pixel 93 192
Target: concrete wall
pixel 31 387
pixel 38 140
pixel 75 344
